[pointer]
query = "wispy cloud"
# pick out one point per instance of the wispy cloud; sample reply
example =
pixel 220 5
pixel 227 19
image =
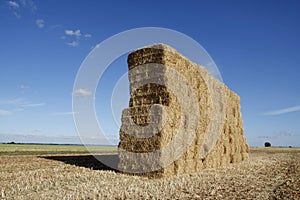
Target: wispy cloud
pixel 24 86
pixel 34 105
pixel 73 44
pixel 21 103
pixel 23 2
pixel 36 131
pixel 13 4
pixel 17 6
pixel 283 111
pixel 88 35
pixel 279 134
pixel 17 101
pixel 29 4
pixel 82 92
pixel 13 106
pixel 55 26
pixel 5 112
pixel 40 23
pixel 64 113
pixel 17 14
pixel 17 110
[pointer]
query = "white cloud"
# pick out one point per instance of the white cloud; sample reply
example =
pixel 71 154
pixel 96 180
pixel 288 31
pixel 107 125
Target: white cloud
pixel 88 35
pixel 34 105
pixel 82 92
pixel 69 32
pixel 77 33
pixel 73 44
pixel 64 113
pixel 73 33
pixel 13 4
pixel 283 111
pixel 40 23
pixel 5 112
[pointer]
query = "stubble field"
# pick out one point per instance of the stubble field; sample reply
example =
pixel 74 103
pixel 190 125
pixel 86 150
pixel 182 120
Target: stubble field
pixel 272 173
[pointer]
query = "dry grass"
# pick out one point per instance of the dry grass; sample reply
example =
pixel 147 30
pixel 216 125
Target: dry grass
pixel 268 174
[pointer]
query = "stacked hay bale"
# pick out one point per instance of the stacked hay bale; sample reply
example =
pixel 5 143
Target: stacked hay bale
pixel 217 138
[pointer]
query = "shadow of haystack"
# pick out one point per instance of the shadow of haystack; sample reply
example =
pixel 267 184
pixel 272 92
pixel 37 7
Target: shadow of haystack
pixel 95 162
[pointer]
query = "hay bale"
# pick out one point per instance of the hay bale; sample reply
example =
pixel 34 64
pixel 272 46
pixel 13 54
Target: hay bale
pixel 180 119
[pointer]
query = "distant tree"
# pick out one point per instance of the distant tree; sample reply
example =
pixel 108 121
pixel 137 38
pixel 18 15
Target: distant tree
pixel 290 147
pixel 267 144
pixel 11 143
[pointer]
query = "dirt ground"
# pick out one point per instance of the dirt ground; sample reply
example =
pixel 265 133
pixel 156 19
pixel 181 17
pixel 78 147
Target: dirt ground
pixel 268 174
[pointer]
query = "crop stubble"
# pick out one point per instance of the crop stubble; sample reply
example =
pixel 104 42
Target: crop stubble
pixel 268 174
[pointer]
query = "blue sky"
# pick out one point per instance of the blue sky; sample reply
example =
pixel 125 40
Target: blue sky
pixel 255 45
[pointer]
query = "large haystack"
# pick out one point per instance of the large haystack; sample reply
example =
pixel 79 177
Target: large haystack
pixel 180 119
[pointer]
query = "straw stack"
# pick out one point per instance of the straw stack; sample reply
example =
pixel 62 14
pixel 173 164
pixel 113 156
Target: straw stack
pixel 177 144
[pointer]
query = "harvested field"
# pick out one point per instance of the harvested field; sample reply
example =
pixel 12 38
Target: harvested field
pixel 269 174
pixel 38 149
